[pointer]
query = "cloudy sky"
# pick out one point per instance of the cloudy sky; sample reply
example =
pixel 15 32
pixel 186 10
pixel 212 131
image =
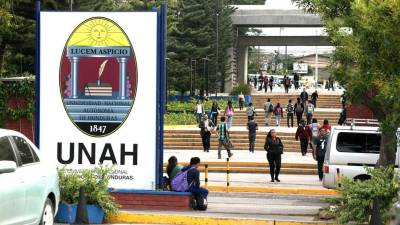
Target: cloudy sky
pixel 296 50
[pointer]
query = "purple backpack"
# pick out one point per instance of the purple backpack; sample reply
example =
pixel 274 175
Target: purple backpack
pixel 180 183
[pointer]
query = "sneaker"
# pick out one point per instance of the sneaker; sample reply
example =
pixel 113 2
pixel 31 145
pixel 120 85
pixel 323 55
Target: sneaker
pixel 219 157
pixel 277 180
pixel 272 181
pixel 230 155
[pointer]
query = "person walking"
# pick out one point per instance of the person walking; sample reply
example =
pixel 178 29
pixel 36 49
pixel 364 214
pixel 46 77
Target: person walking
pixel 252 127
pixel 289 113
pixel 206 126
pixel 268 110
pixel 223 138
pixel 319 149
pixel 286 83
pixel 326 126
pixel 241 101
pixel 274 147
pixel 199 110
pixel 304 96
pixel 215 112
pixel 303 133
pixel 299 109
pixel 261 82
pixel 342 117
pixel 278 112
pixel 271 82
pixel 314 97
pixel 309 111
pixel 229 111
pixel 250 112
pixel 265 84
pixel 296 81
pixel 255 82
pixel 314 128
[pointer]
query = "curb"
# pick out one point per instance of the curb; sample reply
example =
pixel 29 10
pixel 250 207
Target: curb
pixel 279 190
pixel 197 220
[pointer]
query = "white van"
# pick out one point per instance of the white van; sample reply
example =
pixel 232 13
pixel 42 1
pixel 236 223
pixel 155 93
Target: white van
pixel 348 150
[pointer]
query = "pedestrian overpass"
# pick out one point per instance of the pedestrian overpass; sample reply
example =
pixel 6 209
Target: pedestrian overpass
pixel 262 17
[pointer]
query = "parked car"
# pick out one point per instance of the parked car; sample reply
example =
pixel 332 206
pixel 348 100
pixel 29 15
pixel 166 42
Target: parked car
pixel 348 151
pixel 29 191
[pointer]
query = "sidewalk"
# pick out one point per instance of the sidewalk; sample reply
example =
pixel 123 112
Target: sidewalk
pixel 239 156
pixel 238 208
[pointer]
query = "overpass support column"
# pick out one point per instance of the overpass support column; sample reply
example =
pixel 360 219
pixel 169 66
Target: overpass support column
pixel 242 64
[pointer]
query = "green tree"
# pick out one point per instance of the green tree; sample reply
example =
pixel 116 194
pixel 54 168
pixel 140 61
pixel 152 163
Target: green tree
pixel 366 36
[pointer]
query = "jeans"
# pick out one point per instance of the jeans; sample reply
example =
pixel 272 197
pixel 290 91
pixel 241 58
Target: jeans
pixel 240 105
pixel 299 117
pixel 220 144
pixel 229 122
pixel 252 142
pixel 314 102
pixel 214 117
pixel 290 116
pixel 277 120
pixel 199 191
pixel 267 118
pixel 198 117
pixel 206 140
pixel 303 145
pixel 320 160
pixel 274 161
pixel 309 118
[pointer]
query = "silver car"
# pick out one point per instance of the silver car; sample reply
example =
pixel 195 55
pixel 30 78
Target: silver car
pixel 29 191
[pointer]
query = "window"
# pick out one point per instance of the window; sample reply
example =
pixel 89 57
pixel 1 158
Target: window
pixel 24 150
pixel 6 150
pixel 358 142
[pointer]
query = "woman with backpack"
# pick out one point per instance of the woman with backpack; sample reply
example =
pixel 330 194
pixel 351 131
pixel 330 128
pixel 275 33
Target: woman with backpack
pixel 274 147
pixel 229 114
pixel 173 168
pixel 299 109
pixel 278 112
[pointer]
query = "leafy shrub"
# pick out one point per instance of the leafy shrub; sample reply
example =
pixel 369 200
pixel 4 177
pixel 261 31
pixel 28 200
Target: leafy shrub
pixel 179 119
pixel 95 182
pixel 356 197
pixel 242 88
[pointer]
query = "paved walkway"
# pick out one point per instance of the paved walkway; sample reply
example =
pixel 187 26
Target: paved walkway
pixel 248 206
pixel 239 156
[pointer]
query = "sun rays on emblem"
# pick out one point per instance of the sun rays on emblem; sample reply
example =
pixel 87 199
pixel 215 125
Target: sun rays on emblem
pixel 98 32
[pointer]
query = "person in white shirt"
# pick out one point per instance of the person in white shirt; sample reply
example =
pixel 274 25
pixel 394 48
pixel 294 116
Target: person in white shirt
pixel 206 126
pixel 199 110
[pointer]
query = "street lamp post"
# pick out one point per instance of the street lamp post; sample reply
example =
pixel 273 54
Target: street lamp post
pixel 217 52
pixel 204 72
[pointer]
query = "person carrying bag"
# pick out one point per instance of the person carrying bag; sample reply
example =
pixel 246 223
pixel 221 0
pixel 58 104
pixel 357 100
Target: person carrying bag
pixel 274 147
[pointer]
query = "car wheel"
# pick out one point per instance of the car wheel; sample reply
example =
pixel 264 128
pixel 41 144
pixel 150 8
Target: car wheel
pixel 48 213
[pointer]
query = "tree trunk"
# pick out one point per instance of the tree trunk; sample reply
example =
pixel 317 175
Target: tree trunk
pixel 387 154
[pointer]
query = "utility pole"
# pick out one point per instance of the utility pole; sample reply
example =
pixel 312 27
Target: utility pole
pixel 71 2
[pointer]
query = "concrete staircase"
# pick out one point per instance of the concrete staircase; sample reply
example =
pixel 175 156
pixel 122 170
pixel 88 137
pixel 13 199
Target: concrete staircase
pixel 240 118
pixel 191 140
pixel 324 101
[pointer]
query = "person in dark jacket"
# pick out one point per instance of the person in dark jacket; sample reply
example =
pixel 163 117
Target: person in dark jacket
pixel 314 97
pixel 303 133
pixel 319 149
pixel 304 96
pixel 206 126
pixel 299 110
pixel 274 147
pixel 193 178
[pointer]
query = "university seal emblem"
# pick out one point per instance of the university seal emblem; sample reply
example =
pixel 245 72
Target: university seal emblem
pixel 98 76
